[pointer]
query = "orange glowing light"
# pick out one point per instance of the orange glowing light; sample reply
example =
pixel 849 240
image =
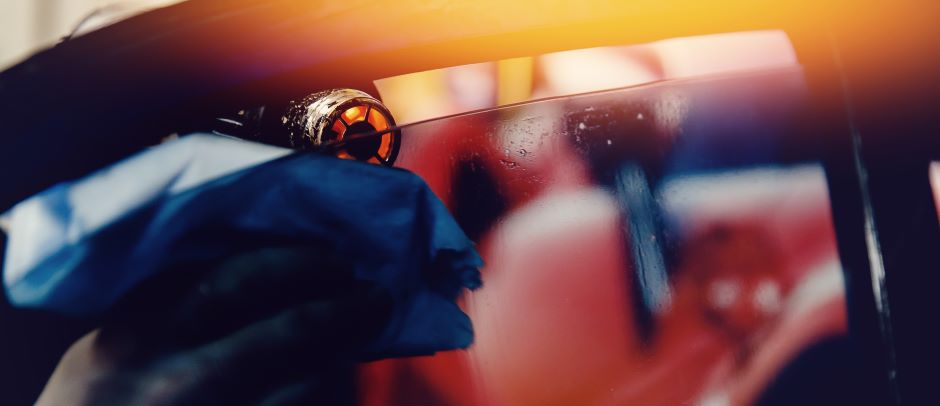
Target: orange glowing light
pixel 354 114
pixel 342 154
pixel 339 128
pixel 378 121
pixel 385 149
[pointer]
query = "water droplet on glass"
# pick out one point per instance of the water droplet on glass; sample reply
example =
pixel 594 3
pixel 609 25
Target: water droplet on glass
pixel 509 164
pixel 639 116
pixel 284 120
pixel 523 152
pixel 609 142
pixel 581 126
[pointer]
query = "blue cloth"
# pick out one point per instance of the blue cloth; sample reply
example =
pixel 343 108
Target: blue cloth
pixel 386 222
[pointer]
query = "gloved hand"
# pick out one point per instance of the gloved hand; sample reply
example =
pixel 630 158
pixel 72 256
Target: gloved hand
pixel 323 262
pixel 273 326
pixel 78 247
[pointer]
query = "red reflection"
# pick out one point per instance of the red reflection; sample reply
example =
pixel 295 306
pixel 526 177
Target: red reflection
pixel 758 281
pixel 755 280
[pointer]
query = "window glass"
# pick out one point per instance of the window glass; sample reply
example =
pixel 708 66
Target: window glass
pixel 662 244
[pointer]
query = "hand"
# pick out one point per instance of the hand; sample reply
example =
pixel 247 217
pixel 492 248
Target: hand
pixel 273 326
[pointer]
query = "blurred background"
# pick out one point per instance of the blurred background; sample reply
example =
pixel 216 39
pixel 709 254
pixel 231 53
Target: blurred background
pixel 665 245
pixel 29 25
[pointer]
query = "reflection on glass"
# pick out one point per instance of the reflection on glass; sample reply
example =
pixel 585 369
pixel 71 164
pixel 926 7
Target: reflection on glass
pixel 666 244
pixel 935 184
pixel 425 95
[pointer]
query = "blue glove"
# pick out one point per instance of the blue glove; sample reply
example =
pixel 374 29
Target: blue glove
pixel 80 246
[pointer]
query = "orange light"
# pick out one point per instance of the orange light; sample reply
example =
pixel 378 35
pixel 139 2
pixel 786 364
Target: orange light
pixel 385 149
pixel 342 154
pixel 354 114
pixel 378 121
pixel 339 128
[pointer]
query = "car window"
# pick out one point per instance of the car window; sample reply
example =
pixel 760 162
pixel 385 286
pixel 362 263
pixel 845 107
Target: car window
pixel 665 244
